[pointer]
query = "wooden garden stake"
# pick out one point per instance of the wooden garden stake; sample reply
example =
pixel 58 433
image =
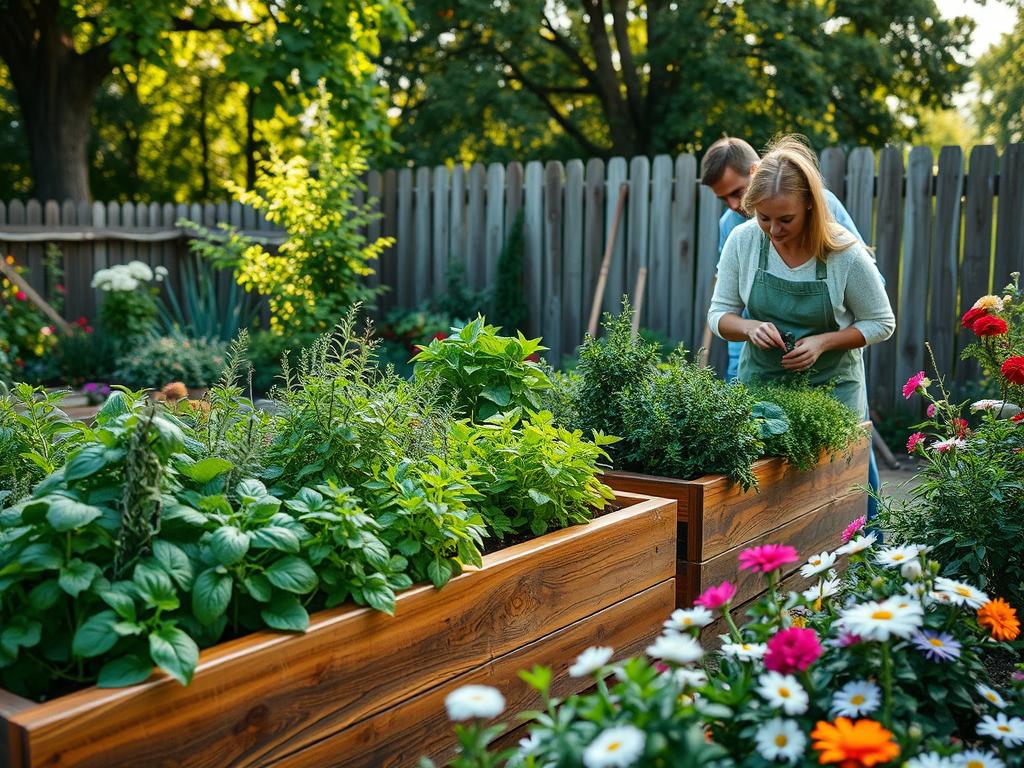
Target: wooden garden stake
pixel 638 299
pixel 11 274
pixel 602 278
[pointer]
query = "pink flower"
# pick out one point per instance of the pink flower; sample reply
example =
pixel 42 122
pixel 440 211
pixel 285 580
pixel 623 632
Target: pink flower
pixel 853 527
pixel 942 446
pixel 792 650
pixel 20 296
pixel 846 639
pixel 767 558
pixel 914 383
pixel 931 410
pixel 716 597
pixel 915 440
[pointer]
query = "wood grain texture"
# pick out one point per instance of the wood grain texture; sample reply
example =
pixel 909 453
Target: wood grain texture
pixel 617 283
pixel 398 737
pixel 881 383
pixel 268 695
pixel 683 254
pixel 942 314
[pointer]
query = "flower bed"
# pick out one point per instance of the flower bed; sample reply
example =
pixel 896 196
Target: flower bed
pixel 717 517
pixel 367 686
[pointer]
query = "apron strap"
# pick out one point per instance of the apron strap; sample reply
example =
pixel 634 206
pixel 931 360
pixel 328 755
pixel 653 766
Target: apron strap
pixel 820 269
pixel 762 258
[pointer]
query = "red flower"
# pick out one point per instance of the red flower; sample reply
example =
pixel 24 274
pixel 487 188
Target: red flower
pixel 60 288
pixel 82 322
pixel 971 315
pixel 534 358
pixel 1013 370
pixel 1018 418
pixel 989 326
pixel 792 650
pixel 915 439
pixel 961 427
pixel 439 336
pixel 20 296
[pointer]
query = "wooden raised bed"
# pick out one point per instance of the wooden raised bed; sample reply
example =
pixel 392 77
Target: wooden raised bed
pixel 360 688
pixel 717 519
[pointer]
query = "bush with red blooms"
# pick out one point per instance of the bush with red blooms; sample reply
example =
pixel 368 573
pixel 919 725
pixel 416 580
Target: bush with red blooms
pixel 998 322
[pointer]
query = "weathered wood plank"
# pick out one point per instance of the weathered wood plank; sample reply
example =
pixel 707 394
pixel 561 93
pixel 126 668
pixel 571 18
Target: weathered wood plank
pixel 36 276
pixel 683 254
pixel 1010 224
pixel 533 246
pixel 942 317
pixel 457 219
pixel 572 258
pixel 910 327
pixel 405 251
pixel 974 269
pixel 881 382
pixel 398 737
pixel 115 250
pixel 494 235
pixel 476 270
pixel 659 260
pixel 422 267
pixel 860 190
pixel 709 211
pixel 513 192
pixel 637 234
pixel 833 171
pixel 441 240
pixel 593 234
pixel 374 228
pixel 268 695
pixel 551 326
pixel 617 283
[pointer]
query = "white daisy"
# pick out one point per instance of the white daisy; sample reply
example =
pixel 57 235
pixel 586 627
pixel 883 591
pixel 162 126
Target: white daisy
pixel 892 617
pixel 783 691
pixel 1009 730
pixel 529 744
pixel 917 590
pixel 745 651
pixel 824 588
pixel 679 649
pixel 857 545
pixel 991 696
pixel 856 698
pixel 684 619
pixel 912 570
pixel 690 678
pixel 992 405
pixel 961 593
pixel 616 747
pixel 818 563
pixel 893 557
pixel 978 758
pixel 471 701
pixel 780 739
pixel 930 760
pixel 591 660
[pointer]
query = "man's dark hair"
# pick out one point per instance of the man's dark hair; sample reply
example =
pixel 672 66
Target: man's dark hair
pixel 726 153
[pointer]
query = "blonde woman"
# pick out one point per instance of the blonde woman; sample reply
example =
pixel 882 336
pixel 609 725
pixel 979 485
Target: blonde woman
pixel 812 292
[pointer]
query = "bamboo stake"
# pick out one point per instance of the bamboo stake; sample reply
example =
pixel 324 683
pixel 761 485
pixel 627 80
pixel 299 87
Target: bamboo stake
pixel 602 278
pixel 11 274
pixel 638 299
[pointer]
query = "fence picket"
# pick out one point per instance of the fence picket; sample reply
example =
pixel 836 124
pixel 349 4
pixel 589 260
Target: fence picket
pixel 637 228
pixel 833 170
pixel 572 258
pixel 33 218
pixel 441 222
pixel 404 292
pixel 616 286
pixel 659 275
pixel 881 380
pixel 910 328
pixel 860 193
pixel 551 325
pixel 374 184
pixel 945 255
pixel 421 265
pixel 974 268
pixel 494 218
pixel 533 245
pixel 1010 228
pixel 387 266
pixel 593 234
pixel 456 219
pixel 683 253
pixel 475 226
pixel 709 211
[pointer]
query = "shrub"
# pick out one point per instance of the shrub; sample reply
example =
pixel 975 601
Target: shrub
pixel 818 424
pixel 129 307
pixel 158 360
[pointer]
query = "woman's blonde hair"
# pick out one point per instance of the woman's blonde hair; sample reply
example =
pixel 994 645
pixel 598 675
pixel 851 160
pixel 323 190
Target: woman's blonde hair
pixel 789 167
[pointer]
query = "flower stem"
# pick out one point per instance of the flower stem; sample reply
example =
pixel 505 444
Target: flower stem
pixel 733 629
pixel 886 686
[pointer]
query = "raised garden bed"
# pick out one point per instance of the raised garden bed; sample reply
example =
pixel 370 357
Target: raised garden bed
pixel 360 688
pixel 717 519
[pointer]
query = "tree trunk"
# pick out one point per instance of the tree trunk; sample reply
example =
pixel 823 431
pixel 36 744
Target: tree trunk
pixel 55 86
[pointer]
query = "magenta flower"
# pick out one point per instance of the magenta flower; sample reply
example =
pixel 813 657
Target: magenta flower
pixel 716 597
pixel 846 639
pixel 792 650
pixel 930 410
pixel 852 528
pixel 915 440
pixel 914 383
pixel 767 558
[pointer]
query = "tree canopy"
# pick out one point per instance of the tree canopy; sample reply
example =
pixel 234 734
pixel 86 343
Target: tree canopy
pixel 602 77
pixel 1000 107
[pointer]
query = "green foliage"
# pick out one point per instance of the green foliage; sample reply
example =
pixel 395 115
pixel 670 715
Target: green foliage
pixel 159 360
pixel 818 424
pixel 999 110
pixel 316 275
pixel 482 372
pixel 687 422
pixel 204 310
pixel 533 474
pixel 502 82
pixel 84 355
pixel 25 334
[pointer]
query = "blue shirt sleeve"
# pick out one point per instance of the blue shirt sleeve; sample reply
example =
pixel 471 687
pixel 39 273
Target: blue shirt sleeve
pixel 841 216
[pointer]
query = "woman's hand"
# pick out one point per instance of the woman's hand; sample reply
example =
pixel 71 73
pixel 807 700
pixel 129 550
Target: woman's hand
pixel 765 336
pixel 805 353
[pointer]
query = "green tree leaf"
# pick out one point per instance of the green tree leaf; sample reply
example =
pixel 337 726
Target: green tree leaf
pixel 292 575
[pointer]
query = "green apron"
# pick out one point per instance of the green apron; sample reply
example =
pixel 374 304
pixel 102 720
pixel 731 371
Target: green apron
pixel 802 308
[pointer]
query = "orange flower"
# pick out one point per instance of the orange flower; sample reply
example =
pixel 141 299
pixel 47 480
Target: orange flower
pixel 1000 618
pixel 854 743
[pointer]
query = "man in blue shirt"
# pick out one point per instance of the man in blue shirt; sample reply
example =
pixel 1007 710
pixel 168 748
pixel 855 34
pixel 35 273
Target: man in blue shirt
pixel 726 168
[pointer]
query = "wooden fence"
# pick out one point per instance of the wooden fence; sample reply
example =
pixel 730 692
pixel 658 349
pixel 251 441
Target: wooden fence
pixel 944 234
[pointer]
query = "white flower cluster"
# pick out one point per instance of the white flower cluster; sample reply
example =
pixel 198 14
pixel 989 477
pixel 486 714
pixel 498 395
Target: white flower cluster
pixel 127 277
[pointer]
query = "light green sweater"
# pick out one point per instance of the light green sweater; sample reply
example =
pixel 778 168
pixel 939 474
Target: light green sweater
pixel 854 284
